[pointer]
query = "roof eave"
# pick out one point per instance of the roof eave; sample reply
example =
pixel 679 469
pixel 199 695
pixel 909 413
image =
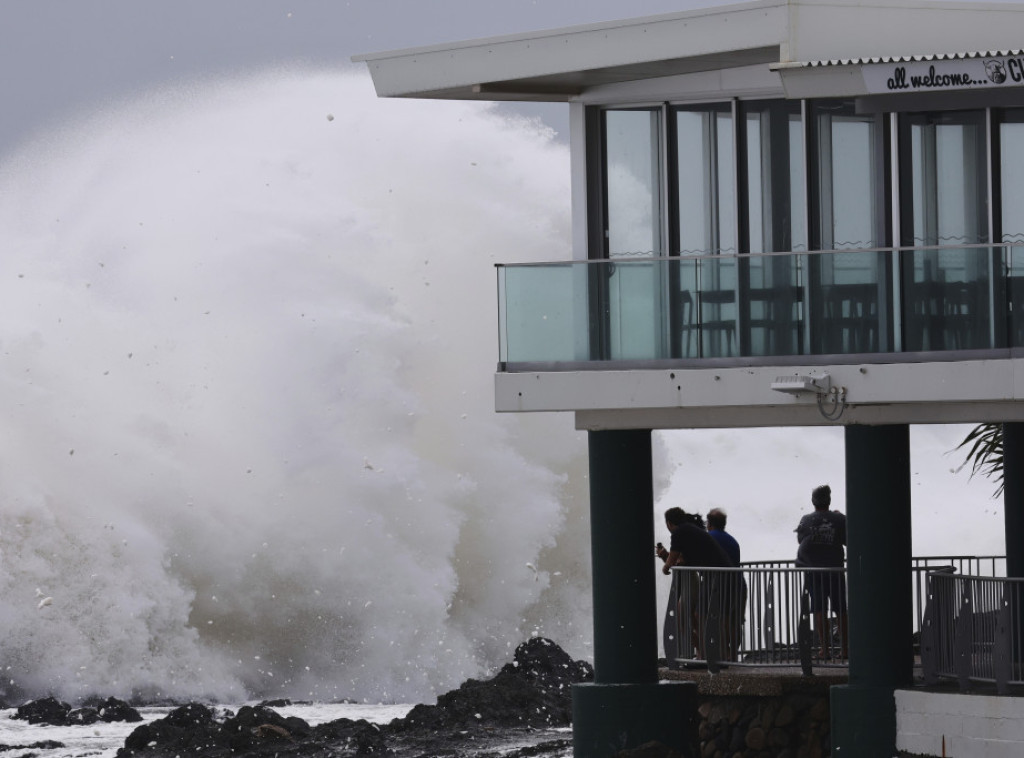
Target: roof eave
pixel 559 64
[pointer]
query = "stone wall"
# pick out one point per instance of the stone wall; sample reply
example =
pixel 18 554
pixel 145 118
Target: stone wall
pixel 786 726
pixel 759 713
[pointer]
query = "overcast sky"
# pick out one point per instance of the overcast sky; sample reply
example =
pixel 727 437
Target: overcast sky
pixel 57 56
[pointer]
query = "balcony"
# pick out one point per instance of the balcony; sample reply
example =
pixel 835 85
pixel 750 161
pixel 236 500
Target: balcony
pixel 908 304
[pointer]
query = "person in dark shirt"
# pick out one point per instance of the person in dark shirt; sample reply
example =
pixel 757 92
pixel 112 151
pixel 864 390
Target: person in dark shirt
pixel 822 537
pixel 691 545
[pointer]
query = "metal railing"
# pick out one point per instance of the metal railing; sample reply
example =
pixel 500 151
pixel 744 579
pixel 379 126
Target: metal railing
pixel 775 614
pixel 973 630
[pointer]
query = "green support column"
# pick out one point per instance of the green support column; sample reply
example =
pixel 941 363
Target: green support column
pixel 879 557
pixel 1013 497
pixel 626 706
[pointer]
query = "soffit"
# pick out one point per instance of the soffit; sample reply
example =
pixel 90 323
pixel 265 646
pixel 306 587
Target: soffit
pixel 562 63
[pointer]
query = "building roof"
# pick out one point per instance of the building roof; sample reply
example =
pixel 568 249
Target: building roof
pixel 790 35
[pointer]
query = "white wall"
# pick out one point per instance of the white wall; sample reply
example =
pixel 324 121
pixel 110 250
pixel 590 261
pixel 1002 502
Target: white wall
pixel 959 725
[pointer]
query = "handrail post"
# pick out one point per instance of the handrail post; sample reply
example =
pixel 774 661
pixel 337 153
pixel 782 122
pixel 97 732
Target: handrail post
pixel 963 639
pixel 1001 655
pixel 804 640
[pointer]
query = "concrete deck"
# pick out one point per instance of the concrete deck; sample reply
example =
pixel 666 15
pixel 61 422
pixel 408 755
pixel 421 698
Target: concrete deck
pixel 758 681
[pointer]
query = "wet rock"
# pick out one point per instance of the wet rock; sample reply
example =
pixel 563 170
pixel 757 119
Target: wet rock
pixel 649 750
pixel 54 712
pixel 255 731
pixel 47 710
pixel 532 691
pixel 82 717
pixel 112 709
pixel 186 728
pixel 42 745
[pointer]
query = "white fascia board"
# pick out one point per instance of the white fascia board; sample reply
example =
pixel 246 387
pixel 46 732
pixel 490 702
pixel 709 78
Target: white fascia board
pixel 929 392
pixel 455 69
pixel 838 29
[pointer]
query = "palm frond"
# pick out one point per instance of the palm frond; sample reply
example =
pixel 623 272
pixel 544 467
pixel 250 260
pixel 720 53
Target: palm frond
pixel 985 453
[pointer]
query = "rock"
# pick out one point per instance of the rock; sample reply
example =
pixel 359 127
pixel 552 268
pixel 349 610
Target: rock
pixel 756 738
pixel 82 717
pixel 649 750
pixel 196 729
pixel 534 690
pixel 186 728
pixel 786 716
pixel 42 745
pixel 112 709
pixel 47 710
pixel 777 738
pixel 56 713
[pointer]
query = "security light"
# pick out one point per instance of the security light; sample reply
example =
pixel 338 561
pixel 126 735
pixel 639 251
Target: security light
pixel 801 383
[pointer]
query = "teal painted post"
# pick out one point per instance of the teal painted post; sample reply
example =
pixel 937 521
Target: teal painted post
pixel 879 576
pixel 626 706
pixel 622 546
pixel 1013 497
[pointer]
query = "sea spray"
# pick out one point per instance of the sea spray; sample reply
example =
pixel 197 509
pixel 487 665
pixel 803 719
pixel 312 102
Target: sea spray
pixel 248 330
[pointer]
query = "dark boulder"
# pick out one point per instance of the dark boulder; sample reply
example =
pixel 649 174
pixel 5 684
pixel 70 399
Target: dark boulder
pixel 187 728
pixel 112 709
pixel 82 717
pixel 532 691
pixel 47 710
pixel 41 745
pixel 54 712
pixel 255 731
pixel 253 728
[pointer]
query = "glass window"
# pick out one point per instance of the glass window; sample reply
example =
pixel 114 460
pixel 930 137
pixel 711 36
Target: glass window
pixel 1011 171
pixel 945 177
pixel 1011 207
pixel 633 182
pixel 705 188
pixel 775 214
pixel 634 295
pixel 849 210
pixel 944 186
pixel 705 181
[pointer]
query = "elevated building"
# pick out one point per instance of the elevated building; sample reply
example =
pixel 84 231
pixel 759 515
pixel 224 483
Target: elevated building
pixel 785 213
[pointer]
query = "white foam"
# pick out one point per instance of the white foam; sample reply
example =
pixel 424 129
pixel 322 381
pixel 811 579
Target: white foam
pixel 248 442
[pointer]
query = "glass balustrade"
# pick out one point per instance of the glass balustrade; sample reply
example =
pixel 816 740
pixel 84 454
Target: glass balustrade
pixel 843 302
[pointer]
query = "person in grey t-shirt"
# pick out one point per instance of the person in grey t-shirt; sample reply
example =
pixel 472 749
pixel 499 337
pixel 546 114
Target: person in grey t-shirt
pixel 822 538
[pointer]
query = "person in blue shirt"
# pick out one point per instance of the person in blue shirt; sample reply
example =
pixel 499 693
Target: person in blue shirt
pixel 734 587
pixel 716 528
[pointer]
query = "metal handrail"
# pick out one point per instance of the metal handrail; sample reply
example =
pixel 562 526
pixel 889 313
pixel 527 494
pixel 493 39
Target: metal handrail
pixel 759 614
pixel 749 616
pixel 974 630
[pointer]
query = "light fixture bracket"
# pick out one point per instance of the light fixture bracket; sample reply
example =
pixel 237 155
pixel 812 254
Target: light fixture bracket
pixel 801 384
